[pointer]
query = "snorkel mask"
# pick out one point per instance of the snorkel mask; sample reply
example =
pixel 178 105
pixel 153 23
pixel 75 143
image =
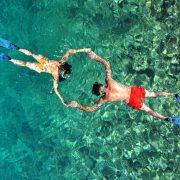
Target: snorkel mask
pixel 103 90
pixel 65 76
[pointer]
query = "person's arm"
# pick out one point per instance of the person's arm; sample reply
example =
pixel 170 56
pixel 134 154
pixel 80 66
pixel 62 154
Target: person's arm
pixel 73 51
pixel 86 108
pixel 55 86
pixel 93 56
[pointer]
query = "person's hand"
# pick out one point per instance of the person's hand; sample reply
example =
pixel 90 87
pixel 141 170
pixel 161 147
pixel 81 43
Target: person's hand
pixel 87 50
pixel 73 104
pixel 71 51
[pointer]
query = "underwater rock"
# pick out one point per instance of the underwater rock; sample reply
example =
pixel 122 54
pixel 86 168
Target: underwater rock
pixel 108 172
pixel 105 155
pixel 138 37
pixel 84 150
pixel 63 162
pixel 172 39
pixel 94 151
pixel 90 162
pixel 148 4
pixel 168 53
pixel 160 48
pixel 106 129
pixel 141 63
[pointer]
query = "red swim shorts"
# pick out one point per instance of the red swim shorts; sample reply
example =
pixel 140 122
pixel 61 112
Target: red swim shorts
pixel 136 95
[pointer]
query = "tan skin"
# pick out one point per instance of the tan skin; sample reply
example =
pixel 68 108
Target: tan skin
pixel 116 91
pixel 49 66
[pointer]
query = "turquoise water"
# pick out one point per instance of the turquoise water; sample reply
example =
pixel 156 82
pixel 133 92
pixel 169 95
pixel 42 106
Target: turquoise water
pixel 42 139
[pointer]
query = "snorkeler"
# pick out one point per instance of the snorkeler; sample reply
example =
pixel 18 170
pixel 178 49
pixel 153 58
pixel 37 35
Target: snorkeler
pixel 60 70
pixel 115 91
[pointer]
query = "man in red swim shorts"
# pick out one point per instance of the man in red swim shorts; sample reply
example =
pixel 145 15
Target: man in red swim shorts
pixel 136 95
pixel 115 91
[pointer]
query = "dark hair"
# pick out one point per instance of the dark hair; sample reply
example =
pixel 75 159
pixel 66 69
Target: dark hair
pixel 66 68
pixel 95 88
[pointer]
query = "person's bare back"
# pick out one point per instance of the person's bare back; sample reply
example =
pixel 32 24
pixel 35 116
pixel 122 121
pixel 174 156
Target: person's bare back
pixel 116 91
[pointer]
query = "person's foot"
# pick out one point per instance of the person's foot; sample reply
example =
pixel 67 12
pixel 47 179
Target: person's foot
pixel 7 44
pixel 4 57
pixel 13 47
pixel 177 96
pixel 174 120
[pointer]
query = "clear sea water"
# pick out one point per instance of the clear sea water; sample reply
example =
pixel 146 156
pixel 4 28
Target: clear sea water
pixel 40 139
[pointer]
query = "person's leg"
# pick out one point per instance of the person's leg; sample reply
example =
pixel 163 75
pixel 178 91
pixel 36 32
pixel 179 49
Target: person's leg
pixel 29 65
pixel 9 45
pixel 150 111
pixel 156 93
pixel 29 53
pixel 18 62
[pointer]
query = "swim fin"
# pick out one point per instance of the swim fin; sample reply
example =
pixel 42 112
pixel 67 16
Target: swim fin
pixel 177 96
pixel 4 57
pixel 7 44
pixel 175 120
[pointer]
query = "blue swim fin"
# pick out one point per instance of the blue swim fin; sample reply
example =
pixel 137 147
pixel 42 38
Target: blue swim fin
pixel 175 120
pixel 177 96
pixel 4 57
pixel 7 44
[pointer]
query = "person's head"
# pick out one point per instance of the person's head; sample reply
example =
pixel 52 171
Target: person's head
pixel 64 71
pixel 98 89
